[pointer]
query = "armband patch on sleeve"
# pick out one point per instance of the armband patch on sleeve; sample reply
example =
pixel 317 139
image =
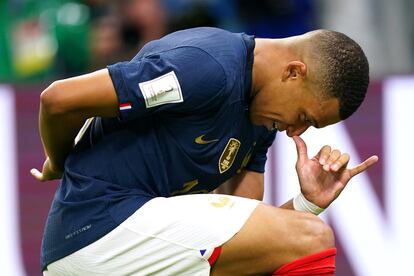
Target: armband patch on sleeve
pixel 162 90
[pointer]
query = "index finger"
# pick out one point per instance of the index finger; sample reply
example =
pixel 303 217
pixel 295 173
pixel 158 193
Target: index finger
pixel 363 166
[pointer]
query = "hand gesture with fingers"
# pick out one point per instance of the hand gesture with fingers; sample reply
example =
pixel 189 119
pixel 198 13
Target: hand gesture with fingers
pixel 323 177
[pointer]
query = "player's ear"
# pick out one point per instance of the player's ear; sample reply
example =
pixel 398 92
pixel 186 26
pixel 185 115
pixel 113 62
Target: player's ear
pixel 294 70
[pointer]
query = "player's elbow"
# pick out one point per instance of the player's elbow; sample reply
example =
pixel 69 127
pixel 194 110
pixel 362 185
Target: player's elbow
pixel 51 99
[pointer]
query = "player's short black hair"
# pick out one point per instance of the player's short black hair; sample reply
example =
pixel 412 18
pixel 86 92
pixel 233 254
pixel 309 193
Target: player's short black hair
pixel 344 69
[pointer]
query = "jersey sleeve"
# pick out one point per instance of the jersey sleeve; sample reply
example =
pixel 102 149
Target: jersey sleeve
pixel 258 160
pixel 185 79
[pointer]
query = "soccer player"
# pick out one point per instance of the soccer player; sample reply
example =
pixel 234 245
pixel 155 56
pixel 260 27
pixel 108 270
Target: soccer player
pixel 191 112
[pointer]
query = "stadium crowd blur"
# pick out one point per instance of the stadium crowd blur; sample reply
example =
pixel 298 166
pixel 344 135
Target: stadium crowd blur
pixel 45 40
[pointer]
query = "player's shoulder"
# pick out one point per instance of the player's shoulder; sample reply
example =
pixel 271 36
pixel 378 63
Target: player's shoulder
pixel 208 39
pixel 200 32
pixel 227 48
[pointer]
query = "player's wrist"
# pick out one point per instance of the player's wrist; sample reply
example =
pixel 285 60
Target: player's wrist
pixel 300 203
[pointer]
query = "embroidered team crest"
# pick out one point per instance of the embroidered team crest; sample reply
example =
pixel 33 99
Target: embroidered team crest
pixel 162 90
pixel 228 155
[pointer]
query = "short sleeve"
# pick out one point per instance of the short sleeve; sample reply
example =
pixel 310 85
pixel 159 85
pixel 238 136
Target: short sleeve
pixel 258 160
pixel 183 79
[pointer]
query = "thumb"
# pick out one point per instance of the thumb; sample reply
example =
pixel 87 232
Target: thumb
pixel 301 148
pixel 37 174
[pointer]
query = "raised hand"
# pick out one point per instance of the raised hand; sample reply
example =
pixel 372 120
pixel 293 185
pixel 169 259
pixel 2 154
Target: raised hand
pixel 323 177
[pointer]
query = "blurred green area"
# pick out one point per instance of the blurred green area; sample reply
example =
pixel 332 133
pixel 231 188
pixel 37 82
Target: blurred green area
pixel 42 39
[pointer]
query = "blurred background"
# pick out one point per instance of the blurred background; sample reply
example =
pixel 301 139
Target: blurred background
pixel 41 41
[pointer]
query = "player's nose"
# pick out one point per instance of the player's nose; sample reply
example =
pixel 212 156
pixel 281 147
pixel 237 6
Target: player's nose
pixel 296 131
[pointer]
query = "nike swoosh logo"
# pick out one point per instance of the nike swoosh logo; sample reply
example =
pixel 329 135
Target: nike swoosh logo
pixel 199 140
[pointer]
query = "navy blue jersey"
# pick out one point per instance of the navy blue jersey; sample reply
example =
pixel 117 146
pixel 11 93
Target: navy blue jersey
pixel 183 128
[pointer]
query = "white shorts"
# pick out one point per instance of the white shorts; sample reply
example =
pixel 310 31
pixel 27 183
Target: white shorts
pixel 167 236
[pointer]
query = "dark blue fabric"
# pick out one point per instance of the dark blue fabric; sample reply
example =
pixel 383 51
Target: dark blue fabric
pixel 121 163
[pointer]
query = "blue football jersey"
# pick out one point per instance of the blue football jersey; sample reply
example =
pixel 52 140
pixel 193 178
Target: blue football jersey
pixel 183 128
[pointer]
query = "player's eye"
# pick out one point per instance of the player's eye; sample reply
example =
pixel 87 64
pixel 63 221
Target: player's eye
pixel 307 120
pixel 274 125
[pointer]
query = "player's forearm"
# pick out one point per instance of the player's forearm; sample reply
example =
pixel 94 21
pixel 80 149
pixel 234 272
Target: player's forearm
pixel 229 189
pixel 247 184
pixel 57 128
pixel 66 104
pixel 250 191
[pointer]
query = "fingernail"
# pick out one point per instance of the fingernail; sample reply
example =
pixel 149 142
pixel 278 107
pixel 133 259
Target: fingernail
pixel 322 161
pixel 335 167
pixel 326 167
